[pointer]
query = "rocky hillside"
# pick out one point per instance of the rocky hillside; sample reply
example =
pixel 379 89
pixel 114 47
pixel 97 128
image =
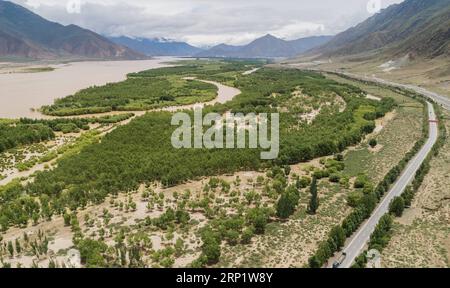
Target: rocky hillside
pixel 417 27
pixel 25 34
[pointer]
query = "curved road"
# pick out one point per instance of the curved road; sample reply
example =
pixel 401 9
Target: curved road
pixel 440 99
pixel 357 243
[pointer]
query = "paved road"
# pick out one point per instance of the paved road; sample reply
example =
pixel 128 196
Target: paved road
pixel 360 239
pixel 440 99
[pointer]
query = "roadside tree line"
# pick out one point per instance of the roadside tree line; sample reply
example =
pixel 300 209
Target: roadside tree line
pixel 381 236
pixel 368 202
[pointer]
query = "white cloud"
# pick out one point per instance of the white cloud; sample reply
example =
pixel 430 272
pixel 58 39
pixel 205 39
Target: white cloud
pixel 299 29
pixel 207 22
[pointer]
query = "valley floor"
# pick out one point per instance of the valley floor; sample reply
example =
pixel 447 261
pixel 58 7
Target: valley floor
pixel 433 75
pixel 167 224
pixel 421 237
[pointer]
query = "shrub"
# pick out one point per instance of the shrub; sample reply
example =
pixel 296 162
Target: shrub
pixel 335 178
pixel 361 181
pixel 354 198
pixel 247 235
pixel 91 252
pixel 397 206
pixel 303 182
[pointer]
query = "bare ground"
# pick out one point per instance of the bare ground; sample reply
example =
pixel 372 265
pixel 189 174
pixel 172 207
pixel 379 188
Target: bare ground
pixel 421 237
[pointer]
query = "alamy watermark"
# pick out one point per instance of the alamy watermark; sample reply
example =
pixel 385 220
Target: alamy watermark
pixel 229 131
pixel 374 6
pixel 72 6
pixel 373 258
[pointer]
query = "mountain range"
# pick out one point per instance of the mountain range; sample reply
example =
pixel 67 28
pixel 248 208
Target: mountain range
pixel 157 47
pixel 416 27
pixel 267 46
pixel 28 35
pixel 25 34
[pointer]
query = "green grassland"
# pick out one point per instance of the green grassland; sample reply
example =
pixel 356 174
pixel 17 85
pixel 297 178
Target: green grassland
pixel 393 145
pixel 395 139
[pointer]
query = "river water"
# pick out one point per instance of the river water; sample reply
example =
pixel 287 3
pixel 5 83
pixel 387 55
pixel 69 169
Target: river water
pixel 20 92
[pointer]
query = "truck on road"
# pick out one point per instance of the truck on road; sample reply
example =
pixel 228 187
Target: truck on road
pixel 339 261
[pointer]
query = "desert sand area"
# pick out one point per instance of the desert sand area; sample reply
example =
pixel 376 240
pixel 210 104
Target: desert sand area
pixel 23 92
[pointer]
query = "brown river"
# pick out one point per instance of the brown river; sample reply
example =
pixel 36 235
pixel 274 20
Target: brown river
pixel 20 92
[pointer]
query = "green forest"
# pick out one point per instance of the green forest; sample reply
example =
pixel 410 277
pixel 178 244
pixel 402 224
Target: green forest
pixel 13 135
pixel 141 91
pixel 141 152
pixel 69 125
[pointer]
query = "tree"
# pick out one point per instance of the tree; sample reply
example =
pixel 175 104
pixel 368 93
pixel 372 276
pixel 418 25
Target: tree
pixel 397 206
pixel 287 170
pixel 67 218
pixel 79 180
pixel 408 195
pixel 354 198
pixel 337 234
pixel 314 201
pixel 210 247
pixel 52 264
pixel 361 181
pixel 288 202
pixel 360 261
pixel 10 248
pixel 339 157
pixel 285 207
pixel 258 218
pixel 179 247
pixel 381 235
pixel 303 182
pixel 247 235
pixel 373 143
pixel 314 262
pixel 182 217
pixel 91 252
pixel 18 247
pixel 335 178
pixel 232 237
pixel 278 185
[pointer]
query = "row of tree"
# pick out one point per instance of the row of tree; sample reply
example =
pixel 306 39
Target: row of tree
pixel 368 201
pixel 381 236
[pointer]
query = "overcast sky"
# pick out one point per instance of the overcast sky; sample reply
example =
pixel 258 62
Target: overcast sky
pixel 208 22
